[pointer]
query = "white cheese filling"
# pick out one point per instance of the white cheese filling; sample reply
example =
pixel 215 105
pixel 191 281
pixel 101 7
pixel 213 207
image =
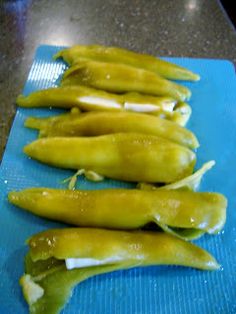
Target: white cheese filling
pixel 140 107
pixel 107 103
pixel 72 263
pixel 168 106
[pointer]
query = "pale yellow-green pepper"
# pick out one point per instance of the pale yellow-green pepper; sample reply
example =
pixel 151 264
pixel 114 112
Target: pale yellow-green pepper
pixel 123 156
pixel 121 78
pixel 128 209
pixel 120 55
pixel 90 99
pixel 47 282
pixel 100 123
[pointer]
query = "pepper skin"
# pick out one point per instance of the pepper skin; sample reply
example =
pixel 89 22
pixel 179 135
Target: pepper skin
pixel 126 209
pixel 118 55
pixel 122 156
pixel 121 78
pixel 100 123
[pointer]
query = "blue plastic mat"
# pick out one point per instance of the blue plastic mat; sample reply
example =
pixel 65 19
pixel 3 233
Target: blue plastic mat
pixel 162 290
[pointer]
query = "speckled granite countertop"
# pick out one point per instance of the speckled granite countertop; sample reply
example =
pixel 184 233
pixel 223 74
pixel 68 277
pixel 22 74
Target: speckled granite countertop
pixel 193 28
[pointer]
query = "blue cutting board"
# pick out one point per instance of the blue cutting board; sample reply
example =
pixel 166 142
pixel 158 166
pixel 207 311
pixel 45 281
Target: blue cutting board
pixel 163 289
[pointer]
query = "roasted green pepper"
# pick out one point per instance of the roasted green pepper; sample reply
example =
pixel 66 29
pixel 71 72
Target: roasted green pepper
pixel 90 99
pixel 56 256
pixel 99 123
pixel 123 156
pixel 127 209
pixel 121 78
pixel 118 55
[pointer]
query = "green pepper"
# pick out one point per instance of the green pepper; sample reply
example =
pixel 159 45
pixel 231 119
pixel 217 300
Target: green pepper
pixel 136 247
pixel 121 78
pixel 87 99
pixel 57 258
pixel 127 209
pixel 99 123
pixel 123 156
pixel 118 55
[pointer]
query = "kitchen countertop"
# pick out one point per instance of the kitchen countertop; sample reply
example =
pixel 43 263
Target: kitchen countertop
pixel 188 28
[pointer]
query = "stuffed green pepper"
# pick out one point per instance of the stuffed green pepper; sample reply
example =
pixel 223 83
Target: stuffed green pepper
pixel 90 99
pixel 61 258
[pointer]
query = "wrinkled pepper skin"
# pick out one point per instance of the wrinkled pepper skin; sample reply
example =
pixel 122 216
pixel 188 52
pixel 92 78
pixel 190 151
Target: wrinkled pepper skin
pixel 120 55
pixel 123 156
pixel 137 247
pixel 126 209
pixel 100 123
pixel 90 99
pixel 120 78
